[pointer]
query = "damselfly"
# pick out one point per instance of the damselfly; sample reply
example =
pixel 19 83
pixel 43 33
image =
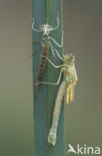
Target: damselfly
pixel 45 29
pixel 68 84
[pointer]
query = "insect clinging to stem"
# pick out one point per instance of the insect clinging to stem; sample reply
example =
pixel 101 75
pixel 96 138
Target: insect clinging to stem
pixel 68 84
pixel 46 39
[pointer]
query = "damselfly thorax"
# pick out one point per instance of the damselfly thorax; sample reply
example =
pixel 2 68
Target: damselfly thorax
pixel 70 73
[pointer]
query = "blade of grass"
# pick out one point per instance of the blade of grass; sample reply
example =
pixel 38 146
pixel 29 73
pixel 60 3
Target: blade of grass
pixel 46 11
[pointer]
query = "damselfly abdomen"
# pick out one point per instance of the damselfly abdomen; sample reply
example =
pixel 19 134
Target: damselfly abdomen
pixel 42 64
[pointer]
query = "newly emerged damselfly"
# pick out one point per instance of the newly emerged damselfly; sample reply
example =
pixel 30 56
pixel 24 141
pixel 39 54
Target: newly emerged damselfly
pixel 67 85
pixel 46 39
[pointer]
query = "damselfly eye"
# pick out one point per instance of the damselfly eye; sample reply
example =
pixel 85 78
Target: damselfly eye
pixel 71 57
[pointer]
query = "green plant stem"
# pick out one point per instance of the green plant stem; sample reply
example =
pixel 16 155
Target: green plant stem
pixel 46 11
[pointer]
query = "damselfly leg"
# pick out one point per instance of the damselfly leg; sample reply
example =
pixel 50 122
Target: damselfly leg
pixel 33 28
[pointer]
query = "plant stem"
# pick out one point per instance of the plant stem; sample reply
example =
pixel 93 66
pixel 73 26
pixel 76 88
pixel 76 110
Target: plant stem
pixel 46 11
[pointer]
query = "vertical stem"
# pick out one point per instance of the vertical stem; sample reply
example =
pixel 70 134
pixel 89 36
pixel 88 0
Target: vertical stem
pixel 46 11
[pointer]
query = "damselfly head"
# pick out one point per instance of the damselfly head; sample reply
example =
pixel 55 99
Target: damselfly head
pixel 45 29
pixel 68 59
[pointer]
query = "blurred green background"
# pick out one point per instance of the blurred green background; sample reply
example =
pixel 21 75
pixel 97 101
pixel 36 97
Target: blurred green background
pixel 83 38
